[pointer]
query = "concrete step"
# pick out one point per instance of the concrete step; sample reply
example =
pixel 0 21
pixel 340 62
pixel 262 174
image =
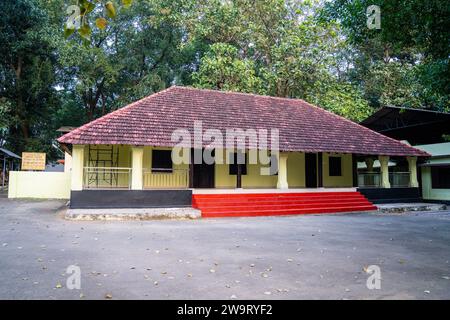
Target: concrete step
pixel 132 214
pixel 410 207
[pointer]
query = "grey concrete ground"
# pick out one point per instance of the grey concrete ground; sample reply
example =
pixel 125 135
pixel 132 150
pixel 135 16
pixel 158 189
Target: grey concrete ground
pixel 297 257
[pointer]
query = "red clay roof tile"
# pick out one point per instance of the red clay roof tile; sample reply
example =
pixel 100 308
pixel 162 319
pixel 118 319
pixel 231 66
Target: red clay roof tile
pixel 302 126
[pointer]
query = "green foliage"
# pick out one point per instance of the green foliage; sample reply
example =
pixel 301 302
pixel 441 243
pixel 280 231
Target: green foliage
pixel 273 48
pixel 27 73
pixel 341 98
pixel 406 62
pixel 80 17
pixel 221 68
pixel 5 111
pixel 124 50
pixel 406 26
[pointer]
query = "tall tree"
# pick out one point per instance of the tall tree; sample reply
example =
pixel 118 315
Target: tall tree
pixel 27 72
pixel 223 69
pixel 135 54
pixel 279 48
pixel 406 61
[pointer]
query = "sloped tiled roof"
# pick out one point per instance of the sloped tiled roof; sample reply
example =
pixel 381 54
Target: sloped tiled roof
pixel 302 126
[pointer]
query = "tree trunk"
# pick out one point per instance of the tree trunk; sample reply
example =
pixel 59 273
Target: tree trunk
pixel 21 111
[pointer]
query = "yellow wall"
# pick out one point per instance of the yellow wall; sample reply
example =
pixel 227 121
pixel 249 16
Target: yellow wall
pixel 46 185
pixel 296 170
pixel 78 159
pixel 123 161
pixel 346 179
pixel 67 162
pixel 254 179
pixel 296 174
pixel 178 178
pixel 428 192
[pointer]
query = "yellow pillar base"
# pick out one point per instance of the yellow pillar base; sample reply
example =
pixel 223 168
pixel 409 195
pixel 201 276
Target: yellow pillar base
pixel 282 182
pixel 384 161
pixel 137 160
pixel 77 167
pixel 412 162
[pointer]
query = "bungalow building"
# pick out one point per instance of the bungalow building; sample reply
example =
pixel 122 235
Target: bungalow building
pixel 124 159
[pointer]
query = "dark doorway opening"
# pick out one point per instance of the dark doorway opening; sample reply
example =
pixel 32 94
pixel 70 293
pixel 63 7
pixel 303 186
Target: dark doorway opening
pixel 311 170
pixel 203 174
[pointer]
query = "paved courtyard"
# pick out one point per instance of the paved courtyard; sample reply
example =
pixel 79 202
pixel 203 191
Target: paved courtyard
pixel 297 257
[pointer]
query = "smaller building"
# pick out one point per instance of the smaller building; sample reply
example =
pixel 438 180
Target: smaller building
pixel 436 172
pixel 9 162
pixel 424 129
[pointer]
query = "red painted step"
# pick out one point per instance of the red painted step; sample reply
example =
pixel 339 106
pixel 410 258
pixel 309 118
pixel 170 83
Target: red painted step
pixel 286 212
pixel 232 202
pixel 277 197
pixel 277 194
pixel 284 207
pixel 266 204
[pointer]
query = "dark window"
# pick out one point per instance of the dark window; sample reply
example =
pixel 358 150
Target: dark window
pixel 162 161
pixel 335 166
pixel 440 177
pixel 274 162
pixel 233 167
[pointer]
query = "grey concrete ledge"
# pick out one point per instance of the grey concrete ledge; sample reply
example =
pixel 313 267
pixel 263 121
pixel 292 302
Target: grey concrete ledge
pixel 410 207
pixel 132 214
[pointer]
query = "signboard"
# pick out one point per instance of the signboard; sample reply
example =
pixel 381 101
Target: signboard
pixel 33 161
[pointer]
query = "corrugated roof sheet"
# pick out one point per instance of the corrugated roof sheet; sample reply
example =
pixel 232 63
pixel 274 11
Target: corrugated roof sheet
pixel 9 153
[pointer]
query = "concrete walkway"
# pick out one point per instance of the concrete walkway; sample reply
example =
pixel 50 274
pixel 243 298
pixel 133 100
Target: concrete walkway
pixel 296 257
pixel 132 214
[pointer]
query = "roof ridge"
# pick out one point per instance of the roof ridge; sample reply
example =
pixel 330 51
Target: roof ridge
pixel 237 93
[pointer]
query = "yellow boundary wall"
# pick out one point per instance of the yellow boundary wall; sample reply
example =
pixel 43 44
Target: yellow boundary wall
pixel 43 185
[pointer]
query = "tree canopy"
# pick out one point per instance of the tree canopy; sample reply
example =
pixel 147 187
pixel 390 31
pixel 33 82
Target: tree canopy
pixel 66 65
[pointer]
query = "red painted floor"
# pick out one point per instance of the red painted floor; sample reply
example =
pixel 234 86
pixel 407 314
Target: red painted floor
pixel 272 204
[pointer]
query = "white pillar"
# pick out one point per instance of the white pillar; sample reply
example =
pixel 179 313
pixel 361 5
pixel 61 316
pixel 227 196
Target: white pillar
pixel 412 162
pixel 77 167
pixel 384 161
pixel 137 160
pixel 282 182
pixel 67 162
